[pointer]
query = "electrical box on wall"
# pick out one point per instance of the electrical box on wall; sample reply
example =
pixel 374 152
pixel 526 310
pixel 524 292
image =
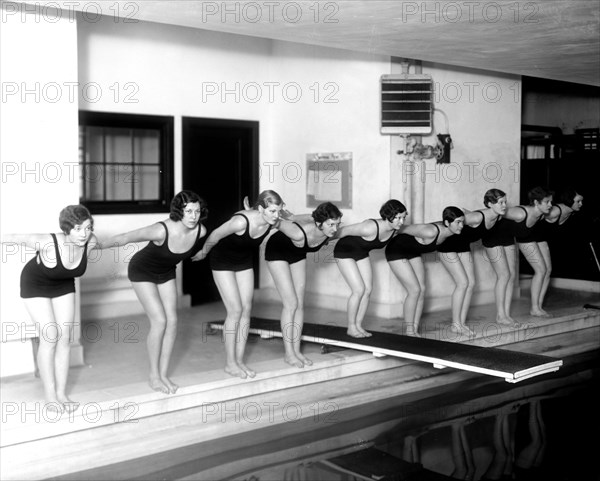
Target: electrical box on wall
pixel 406 104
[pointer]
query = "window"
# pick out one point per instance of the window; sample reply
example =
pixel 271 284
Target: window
pixel 125 162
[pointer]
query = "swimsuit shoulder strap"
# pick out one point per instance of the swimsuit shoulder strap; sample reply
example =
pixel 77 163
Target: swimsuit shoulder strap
pixel 58 258
pixel 303 233
pixel 377 225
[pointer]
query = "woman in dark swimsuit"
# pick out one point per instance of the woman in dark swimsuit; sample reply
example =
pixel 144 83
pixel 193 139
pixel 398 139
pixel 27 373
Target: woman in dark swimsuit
pixel 522 223
pixel 569 202
pixel 231 247
pixel 499 244
pixel 552 224
pixel 351 253
pixel 403 254
pixel 48 290
pixel 152 272
pixel 285 254
pixel 455 254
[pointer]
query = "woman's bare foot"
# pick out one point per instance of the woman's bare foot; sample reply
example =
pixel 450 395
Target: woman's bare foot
pixel 293 361
pixel 468 330
pixel 539 313
pixel 461 329
pixel 412 331
pixel 71 406
pixel 507 321
pixel 170 385
pixel 456 328
pixel 306 361
pixel 236 371
pixel 363 332
pixel 249 372
pixel 354 332
pixel 68 404
pixel 157 385
pixel 54 407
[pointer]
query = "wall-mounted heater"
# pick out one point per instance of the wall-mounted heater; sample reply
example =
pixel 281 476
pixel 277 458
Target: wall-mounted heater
pixel 406 104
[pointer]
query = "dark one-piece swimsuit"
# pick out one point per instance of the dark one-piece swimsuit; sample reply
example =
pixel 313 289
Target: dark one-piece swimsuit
pixel 281 248
pixel 405 246
pixel 357 248
pixel 156 263
pixel 38 280
pixel 236 252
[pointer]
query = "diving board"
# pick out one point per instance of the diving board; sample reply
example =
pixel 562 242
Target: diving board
pixel 513 366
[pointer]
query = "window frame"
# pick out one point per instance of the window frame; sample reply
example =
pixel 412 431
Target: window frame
pixel 166 126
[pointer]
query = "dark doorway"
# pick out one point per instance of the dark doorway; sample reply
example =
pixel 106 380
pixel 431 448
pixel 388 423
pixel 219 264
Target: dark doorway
pixel 556 160
pixel 220 163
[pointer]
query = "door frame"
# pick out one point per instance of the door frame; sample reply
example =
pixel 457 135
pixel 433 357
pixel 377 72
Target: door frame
pixel 251 125
pixel 251 128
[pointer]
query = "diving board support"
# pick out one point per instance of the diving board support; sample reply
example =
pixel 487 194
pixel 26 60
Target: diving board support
pixel 373 464
pixel 512 366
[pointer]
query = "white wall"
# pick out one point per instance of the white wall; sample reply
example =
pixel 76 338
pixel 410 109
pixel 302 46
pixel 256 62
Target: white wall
pixel 165 70
pixel 38 152
pixel 343 117
pixel 484 120
pixel 313 100
pixel 161 70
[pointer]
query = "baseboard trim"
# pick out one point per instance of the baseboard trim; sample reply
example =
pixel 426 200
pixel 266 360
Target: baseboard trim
pixel 579 285
pixel 376 309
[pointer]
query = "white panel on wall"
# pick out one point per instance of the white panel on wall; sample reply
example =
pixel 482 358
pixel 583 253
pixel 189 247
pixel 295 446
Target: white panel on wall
pixel 38 146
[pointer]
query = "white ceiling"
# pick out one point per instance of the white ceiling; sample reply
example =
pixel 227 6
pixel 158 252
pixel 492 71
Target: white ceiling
pixel 551 39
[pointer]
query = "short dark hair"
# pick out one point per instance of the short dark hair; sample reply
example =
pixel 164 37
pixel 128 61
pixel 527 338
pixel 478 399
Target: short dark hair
pixel 492 196
pixel 538 193
pixel 391 209
pixel 73 215
pixel 181 200
pixel 451 213
pixel 567 196
pixel 326 211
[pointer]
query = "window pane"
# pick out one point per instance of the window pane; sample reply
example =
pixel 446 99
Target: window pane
pixel 118 145
pixel 118 182
pixel 82 154
pixel 146 146
pixel 93 144
pixel 93 177
pixel 126 162
pixel 147 183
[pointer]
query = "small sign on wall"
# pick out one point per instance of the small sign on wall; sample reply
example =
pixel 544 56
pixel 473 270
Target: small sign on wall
pixel 329 179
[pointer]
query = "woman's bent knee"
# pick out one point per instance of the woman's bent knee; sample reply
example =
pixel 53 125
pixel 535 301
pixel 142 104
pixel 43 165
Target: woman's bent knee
pixel 358 292
pixel 235 312
pixel 291 305
pixel 415 291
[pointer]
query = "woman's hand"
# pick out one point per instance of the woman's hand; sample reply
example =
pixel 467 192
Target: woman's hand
pixel 199 256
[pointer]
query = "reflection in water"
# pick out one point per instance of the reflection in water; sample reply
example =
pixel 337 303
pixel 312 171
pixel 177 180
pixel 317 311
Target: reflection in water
pixel 429 428
pixel 535 438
